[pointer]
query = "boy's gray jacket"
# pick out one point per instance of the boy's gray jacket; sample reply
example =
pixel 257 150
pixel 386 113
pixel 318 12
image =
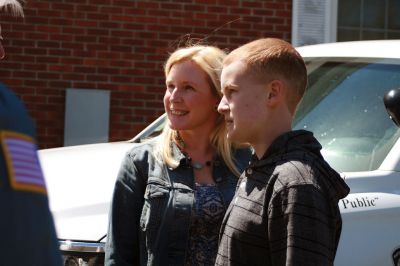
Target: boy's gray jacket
pixel 152 204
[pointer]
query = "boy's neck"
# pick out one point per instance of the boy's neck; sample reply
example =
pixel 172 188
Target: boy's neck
pixel 265 140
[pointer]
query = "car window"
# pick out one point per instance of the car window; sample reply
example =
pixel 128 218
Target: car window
pixel 343 106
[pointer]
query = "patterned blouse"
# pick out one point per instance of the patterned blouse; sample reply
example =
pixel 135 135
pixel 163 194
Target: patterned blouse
pixel 207 217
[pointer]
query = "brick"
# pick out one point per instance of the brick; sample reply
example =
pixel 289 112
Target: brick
pixel 252 4
pixel 23 74
pixel 48 60
pixel 83 85
pixel 253 19
pixel 217 9
pixel 270 20
pixel 241 11
pixel 86 23
pixel 121 64
pixel 98 32
pixel 48 76
pixel 38 5
pixel 110 71
pixel 49 29
pixel 284 14
pixel 57 84
pixel 59 52
pixel 172 6
pixel 84 70
pixel 71 60
pixel 147 5
pixel 97 78
pixel 35 67
pixel 98 16
pixel 263 12
pixel 72 76
pixel 59 6
pixel 88 8
pixel 48 44
pixel 207 2
pixel 38 20
pixel 110 24
pixel 85 38
pixel 274 6
pixel 121 79
pixel 34 83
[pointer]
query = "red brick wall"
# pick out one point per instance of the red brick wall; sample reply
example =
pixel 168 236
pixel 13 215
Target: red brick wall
pixel 118 45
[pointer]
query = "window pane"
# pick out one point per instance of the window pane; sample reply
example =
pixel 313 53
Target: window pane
pixel 372 35
pixel 394 15
pixel 349 13
pixel 374 14
pixel 344 35
pixel 343 106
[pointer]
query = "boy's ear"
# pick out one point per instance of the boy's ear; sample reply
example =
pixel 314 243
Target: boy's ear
pixel 276 92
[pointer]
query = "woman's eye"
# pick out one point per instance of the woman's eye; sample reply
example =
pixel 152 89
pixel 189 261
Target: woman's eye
pixel 170 87
pixel 189 87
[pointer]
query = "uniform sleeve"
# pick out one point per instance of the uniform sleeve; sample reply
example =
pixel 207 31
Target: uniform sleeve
pixel 300 227
pixel 122 247
pixel 27 230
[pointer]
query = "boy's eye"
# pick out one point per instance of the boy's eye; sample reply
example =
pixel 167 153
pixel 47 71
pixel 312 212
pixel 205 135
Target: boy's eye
pixel 228 92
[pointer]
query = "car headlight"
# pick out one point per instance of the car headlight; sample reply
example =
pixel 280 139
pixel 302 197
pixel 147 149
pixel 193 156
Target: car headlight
pixel 82 253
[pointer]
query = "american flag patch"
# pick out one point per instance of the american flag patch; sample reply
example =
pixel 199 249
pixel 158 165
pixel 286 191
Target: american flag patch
pixel 22 162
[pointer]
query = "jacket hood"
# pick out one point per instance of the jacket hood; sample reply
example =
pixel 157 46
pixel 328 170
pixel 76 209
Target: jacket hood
pixel 302 145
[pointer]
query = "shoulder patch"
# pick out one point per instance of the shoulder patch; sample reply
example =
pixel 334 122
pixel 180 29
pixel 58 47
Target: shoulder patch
pixel 22 162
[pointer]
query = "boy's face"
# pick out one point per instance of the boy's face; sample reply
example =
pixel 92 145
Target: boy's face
pixel 243 104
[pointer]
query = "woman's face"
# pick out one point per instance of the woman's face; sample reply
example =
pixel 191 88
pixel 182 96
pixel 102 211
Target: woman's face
pixel 189 101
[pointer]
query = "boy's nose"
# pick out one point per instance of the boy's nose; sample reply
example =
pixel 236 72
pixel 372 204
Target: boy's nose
pixel 223 106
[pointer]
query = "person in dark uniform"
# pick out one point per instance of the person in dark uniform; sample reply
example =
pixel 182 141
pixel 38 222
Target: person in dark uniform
pixel 27 230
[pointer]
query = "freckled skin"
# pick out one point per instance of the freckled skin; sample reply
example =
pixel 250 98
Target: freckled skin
pixel 242 103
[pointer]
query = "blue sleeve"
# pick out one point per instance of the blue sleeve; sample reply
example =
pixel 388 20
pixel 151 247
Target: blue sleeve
pixel 27 229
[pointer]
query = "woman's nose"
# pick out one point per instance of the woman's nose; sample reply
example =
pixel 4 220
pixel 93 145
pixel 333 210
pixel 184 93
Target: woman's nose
pixel 175 95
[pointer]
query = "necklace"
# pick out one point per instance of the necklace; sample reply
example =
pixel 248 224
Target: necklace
pixel 195 165
pixel 199 165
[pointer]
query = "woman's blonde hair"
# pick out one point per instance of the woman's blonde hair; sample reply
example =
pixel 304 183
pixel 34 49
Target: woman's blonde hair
pixel 12 7
pixel 209 59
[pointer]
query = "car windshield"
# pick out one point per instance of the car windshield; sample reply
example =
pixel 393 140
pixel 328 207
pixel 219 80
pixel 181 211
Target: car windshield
pixel 344 108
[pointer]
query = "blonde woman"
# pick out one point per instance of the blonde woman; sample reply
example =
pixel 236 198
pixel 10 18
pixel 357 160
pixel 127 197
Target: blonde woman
pixel 172 191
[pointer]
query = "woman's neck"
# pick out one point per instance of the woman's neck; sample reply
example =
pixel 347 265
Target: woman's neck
pixel 196 145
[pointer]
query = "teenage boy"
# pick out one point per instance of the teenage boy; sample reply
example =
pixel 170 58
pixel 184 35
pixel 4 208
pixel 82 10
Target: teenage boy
pixel 285 210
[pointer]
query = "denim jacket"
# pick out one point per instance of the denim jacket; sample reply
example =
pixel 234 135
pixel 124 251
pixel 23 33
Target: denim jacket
pixel 152 205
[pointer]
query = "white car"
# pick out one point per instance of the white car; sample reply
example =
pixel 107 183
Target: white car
pixel 344 108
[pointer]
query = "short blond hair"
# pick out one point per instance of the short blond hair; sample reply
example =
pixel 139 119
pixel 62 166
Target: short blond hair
pixel 12 7
pixel 270 59
pixel 209 59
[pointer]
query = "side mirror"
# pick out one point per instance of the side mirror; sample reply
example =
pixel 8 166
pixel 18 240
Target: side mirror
pixel 392 104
